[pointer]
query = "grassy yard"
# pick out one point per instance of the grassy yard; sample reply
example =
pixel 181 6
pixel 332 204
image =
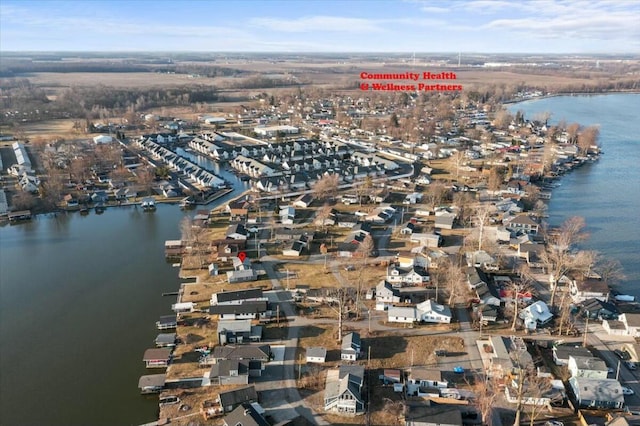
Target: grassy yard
pixel 393 351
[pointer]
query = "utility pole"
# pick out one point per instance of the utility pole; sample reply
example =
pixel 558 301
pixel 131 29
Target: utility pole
pixel 369 317
pixel 618 371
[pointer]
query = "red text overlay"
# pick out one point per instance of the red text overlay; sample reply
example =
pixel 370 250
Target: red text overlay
pixel 423 81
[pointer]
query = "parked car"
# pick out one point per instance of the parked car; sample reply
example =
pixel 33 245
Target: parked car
pixel 458 369
pixel 622 354
pixel 631 365
pixel 554 423
pixel 627 391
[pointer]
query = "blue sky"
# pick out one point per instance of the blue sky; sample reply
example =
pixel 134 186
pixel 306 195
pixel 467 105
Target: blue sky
pixel 544 26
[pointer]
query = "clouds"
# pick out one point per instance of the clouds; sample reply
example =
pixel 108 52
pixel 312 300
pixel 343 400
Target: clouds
pixel 554 26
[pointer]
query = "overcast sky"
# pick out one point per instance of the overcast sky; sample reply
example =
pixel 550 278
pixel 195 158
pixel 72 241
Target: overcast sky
pixel 545 26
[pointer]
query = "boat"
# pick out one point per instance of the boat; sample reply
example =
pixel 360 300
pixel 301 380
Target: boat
pixel 100 208
pixel 624 298
pixel 84 210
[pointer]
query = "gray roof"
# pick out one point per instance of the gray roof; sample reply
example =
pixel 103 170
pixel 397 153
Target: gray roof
pixel 224 367
pixel 245 415
pixel 238 396
pixel 152 380
pixel 607 390
pixel 228 296
pixel 345 378
pixel 445 415
pixel 317 352
pixel 261 352
pixel 589 363
pixel 165 338
pixel 234 326
pixel 351 341
pixel 247 307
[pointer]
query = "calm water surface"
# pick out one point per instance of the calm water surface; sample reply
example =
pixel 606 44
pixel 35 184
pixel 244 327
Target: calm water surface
pixel 79 297
pixel 605 193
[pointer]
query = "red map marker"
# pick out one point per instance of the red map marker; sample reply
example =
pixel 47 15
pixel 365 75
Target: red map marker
pixel 242 256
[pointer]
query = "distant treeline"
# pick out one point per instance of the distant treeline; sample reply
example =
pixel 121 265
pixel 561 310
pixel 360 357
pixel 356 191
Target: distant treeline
pixel 23 101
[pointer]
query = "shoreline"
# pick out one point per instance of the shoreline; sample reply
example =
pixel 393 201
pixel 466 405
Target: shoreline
pixel 571 94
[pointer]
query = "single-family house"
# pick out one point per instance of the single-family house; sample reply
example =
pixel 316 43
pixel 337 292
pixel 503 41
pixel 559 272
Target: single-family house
pixel 391 376
pixel 157 357
pixel 502 356
pixel 238 331
pixel 246 414
pixel 245 309
pixel 433 415
pixel 603 394
pixel 414 274
pixel 587 367
pixel 237 296
pixel 231 399
pixel 316 355
pixel 303 201
pixel 631 321
pixel 237 231
pixel 402 314
pixel 535 315
pixel 488 314
pixel 343 390
pixel 488 294
pixel 421 379
pixel 287 215
pixel 386 295
pixel 562 353
pixel 587 288
pixel 351 347
pixel 430 311
pixel 247 352
pixel 242 275
pixel 522 222
pixel 598 309
pixel 445 221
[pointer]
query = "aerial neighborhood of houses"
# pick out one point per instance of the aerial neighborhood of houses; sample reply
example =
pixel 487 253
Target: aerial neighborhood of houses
pixel 361 273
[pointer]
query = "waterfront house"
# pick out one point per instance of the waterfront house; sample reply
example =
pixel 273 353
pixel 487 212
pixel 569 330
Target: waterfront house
pixel 246 309
pixel 587 367
pixel 260 353
pixel 351 347
pixel 151 383
pixel 629 325
pixel 522 222
pixel 157 357
pixel 582 289
pixel 166 340
pixel 231 399
pixel 246 414
pixel 237 296
pixel 343 390
pixel 605 394
pixel 316 355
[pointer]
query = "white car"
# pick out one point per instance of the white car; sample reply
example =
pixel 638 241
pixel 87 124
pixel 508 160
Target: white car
pixel 553 423
pixel 627 391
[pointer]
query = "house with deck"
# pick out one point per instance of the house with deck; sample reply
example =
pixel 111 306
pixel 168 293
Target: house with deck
pixel 231 372
pixel 238 331
pixel 582 289
pixel 343 390
pixel 246 414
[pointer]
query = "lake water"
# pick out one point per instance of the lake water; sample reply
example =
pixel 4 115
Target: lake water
pixel 79 298
pixel 607 192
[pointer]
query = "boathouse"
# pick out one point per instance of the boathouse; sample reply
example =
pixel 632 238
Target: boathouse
pixel 157 357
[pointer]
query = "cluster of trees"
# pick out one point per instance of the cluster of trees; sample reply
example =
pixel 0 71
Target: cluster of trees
pixel 33 104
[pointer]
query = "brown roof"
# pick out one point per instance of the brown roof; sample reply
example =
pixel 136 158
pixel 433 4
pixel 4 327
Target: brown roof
pixel 156 353
pixel 592 285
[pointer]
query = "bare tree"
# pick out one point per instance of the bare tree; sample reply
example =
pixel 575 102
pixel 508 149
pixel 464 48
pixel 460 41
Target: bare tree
pixel 609 270
pixel 485 397
pixel 23 200
pixel 572 132
pixel 323 215
pixel 457 160
pixel 557 256
pixel 482 214
pixel 326 187
pixel 588 138
pixel 518 287
pixel 435 194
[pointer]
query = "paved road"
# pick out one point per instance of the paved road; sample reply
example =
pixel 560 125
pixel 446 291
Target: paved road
pixel 280 395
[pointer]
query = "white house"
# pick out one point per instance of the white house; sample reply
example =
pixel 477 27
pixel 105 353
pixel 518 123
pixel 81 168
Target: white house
pixel 588 367
pixel 351 347
pixel 316 355
pixel 386 295
pixel 406 315
pixel 430 311
pixel 536 314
